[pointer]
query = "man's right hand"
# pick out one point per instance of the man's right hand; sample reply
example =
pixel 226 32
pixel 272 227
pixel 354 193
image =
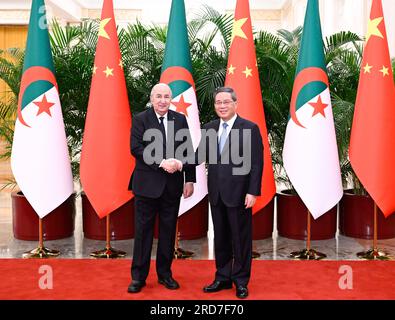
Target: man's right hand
pixel 171 165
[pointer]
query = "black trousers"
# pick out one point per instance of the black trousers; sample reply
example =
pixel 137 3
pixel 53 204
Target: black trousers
pixel 166 206
pixel 232 242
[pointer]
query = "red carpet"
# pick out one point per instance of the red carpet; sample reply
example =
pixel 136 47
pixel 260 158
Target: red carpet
pixel 108 279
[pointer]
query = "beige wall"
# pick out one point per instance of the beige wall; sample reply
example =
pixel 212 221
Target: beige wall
pixel 10 37
pixel 341 15
pixel 122 16
pixel 269 15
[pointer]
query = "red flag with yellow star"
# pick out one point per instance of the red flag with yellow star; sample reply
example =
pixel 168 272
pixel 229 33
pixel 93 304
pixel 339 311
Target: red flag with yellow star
pixel 372 144
pixel 242 75
pixel 106 161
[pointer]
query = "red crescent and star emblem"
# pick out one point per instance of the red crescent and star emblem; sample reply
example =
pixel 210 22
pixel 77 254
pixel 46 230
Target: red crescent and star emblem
pixel 176 73
pixel 30 76
pixel 304 77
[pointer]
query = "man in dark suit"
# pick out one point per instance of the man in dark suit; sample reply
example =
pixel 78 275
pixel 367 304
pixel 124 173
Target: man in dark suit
pixel 157 183
pixel 233 186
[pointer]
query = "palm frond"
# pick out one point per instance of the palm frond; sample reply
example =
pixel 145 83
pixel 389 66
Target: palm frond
pixel 222 24
pixel 291 38
pixel 340 39
pixel 62 38
pixel 11 65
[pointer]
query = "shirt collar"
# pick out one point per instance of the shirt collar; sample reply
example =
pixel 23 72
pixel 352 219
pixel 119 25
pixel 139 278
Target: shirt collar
pixel 230 122
pixel 164 116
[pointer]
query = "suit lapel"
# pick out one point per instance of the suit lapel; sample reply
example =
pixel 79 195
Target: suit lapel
pixel 215 126
pixel 153 119
pixel 154 123
pixel 171 117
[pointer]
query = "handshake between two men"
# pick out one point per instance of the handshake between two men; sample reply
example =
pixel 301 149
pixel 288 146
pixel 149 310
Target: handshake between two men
pixel 172 165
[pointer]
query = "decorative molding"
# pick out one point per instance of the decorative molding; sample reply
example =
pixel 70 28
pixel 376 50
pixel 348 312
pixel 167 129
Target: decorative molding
pixel 261 14
pixel 265 14
pixel 14 17
pixel 120 15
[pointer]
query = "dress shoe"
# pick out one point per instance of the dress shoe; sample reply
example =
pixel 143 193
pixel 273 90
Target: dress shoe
pixel 218 286
pixel 135 286
pixel 241 292
pixel 169 283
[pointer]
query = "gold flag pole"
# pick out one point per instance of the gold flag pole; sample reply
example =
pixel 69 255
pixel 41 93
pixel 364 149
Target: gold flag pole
pixel 375 253
pixel 308 253
pixel 178 252
pixel 41 251
pixel 108 252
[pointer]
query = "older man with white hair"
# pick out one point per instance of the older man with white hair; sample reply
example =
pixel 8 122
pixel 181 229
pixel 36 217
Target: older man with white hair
pixel 158 182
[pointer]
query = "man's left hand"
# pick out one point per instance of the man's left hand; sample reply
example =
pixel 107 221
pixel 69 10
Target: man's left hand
pixel 188 189
pixel 249 200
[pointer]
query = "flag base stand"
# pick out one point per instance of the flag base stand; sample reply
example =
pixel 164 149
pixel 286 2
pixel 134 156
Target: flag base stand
pixel 182 254
pixel 108 253
pixel 373 254
pixel 178 252
pixel 307 254
pixel 41 253
pixel 255 255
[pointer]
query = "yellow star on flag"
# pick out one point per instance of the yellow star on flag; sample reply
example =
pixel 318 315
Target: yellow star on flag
pixel 108 72
pixel 373 29
pixel 247 72
pixel 102 32
pixel 231 69
pixel 237 31
pixel 94 69
pixel 366 69
pixel 120 63
pixel 384 71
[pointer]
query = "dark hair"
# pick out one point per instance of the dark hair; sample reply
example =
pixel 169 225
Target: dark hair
pixel 225 89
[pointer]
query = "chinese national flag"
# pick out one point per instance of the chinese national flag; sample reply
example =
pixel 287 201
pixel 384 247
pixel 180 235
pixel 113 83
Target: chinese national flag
pixel 242 75
pixel 106 161
pixel 372 144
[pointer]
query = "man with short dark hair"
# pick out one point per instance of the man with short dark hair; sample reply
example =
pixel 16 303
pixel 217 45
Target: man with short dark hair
pixel 232 190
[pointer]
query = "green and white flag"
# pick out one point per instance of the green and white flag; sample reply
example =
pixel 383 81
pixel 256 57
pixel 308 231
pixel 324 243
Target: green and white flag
pixel 40 159
pixel 177 73
pixel 310 150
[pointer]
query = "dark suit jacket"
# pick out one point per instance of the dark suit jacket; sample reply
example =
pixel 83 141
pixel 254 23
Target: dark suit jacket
pixel 221 178
pixel 148 180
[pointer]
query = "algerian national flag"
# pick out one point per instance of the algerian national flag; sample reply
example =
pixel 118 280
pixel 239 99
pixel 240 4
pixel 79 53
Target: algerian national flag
pixel 310 151
pixel 177 73
pixel 40 159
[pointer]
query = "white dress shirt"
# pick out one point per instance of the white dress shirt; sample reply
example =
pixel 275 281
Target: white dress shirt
pixel 164 120
pixel 230 123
